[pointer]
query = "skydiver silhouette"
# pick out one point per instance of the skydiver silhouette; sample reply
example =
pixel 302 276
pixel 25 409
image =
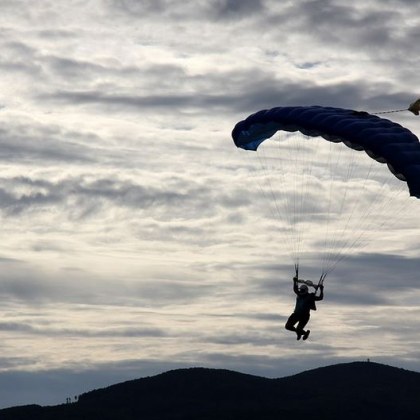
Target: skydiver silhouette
pixel 305 302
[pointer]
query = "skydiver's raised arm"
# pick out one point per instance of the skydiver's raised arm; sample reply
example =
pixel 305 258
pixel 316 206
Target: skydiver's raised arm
pixel 295 285
pixel 321 295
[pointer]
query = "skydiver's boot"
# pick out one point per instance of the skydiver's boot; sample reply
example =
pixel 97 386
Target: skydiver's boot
pixel 299 334
pixel 305 335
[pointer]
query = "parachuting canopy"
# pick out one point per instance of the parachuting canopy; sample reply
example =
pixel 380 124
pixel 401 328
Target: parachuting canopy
pixel 383 140
pixel 328 199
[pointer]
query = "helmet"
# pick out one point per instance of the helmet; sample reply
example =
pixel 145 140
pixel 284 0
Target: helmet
pixel 303 289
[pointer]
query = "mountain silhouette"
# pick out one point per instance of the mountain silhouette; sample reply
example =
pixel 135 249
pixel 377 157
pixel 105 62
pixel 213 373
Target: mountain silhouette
pixel 358 390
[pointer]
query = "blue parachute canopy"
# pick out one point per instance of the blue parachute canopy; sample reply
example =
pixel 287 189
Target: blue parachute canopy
pixel 383 140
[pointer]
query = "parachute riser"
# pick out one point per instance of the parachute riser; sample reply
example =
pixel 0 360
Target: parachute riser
pixel 310 283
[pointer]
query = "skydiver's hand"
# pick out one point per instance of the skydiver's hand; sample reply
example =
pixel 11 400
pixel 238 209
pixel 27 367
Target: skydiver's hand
pixel 321 287
pixel 295 278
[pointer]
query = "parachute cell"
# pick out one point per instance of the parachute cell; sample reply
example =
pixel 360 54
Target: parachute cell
pixel 383 140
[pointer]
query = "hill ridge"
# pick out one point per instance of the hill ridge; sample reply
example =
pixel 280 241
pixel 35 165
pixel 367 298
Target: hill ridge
pixel 367 390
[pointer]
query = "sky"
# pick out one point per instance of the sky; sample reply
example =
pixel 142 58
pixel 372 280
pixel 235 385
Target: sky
pixel 134 238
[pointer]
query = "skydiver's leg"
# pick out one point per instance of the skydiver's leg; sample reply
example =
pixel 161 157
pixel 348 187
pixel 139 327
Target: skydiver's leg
pixel 303 320
pixel 290 324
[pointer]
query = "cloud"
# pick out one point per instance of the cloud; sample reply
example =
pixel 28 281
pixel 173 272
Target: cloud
pixel 203 10
pixel 31 143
